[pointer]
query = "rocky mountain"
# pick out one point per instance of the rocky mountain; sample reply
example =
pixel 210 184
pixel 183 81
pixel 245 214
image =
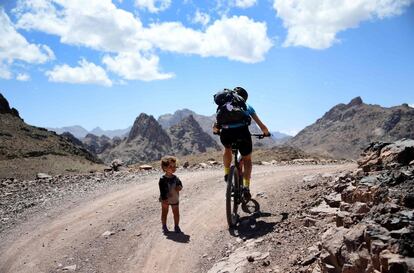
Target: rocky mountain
pixel 5 107
pixel 345 129
pixel 96 144
pixel 78 131
pixel 280 137
pixel 110 133
pixel 188 137
pixel 146 141
pixel 206 123
pixel 26 150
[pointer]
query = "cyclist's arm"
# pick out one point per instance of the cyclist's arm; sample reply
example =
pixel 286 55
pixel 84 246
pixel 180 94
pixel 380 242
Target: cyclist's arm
pixel 216 128
pixel 262 127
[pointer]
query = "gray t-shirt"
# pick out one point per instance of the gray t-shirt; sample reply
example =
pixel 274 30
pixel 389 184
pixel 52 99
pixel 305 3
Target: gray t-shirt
pixel 168 189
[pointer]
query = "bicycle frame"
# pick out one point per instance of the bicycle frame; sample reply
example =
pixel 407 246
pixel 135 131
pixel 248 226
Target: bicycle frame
pixel 234 196
pixel 238 164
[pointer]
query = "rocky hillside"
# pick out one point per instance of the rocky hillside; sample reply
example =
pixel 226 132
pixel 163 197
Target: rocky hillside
pixel 145 142
pixel 148 141
pixel 206 123
pixel 345 129
pixel 97 144
pixel 373 208
pixel 76 130
pixel 188 137
pixel 110 133
pixel 26 150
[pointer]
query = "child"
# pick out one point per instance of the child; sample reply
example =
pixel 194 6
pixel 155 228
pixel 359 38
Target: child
pixel 170 185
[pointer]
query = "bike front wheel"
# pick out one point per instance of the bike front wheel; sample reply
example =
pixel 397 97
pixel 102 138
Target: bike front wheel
pixel 232 197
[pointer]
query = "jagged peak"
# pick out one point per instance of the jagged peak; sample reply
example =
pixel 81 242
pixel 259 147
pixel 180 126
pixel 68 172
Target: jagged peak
pixel 184 111
pixel 5 107
pixel 145 126
pixel 91 136
pixel 355 101
pixel 188 122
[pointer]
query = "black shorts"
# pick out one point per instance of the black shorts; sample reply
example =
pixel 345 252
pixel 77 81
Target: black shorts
pixel 241 135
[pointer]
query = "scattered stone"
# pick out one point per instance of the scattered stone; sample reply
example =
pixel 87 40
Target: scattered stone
pixel 145 167
pixel 308 222
pixel 43 176
pixel 108 233
pixel 70 268
pixel 333 200
pixel 266 263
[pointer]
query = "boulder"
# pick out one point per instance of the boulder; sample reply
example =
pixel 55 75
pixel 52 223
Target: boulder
pixel 145 167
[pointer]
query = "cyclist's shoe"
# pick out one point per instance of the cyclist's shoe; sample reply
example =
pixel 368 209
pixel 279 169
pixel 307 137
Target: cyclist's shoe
pixel 165 229
pixel 177 229
pixel 246 194
pixel 226 176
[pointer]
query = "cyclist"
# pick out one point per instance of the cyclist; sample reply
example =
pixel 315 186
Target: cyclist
pixel 231 133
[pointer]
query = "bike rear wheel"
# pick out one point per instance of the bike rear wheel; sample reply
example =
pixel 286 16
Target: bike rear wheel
pixel 232 197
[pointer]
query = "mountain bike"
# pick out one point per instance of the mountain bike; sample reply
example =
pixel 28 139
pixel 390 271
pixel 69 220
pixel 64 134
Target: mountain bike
pixel 234 190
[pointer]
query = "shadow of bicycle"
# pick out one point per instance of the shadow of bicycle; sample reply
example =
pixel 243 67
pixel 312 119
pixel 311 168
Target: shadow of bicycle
pixel 253 225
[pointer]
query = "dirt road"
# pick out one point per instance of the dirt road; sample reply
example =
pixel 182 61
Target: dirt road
pixel 70 238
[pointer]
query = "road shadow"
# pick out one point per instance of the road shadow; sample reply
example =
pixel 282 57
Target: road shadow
pixel 250 227
pixel 253 226
pixel 180 237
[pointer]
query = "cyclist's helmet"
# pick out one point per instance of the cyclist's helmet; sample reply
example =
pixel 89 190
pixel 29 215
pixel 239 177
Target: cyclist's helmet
pixel 241 92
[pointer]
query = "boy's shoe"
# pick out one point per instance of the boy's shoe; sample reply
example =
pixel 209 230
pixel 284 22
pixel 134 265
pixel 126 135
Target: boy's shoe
pixel 177 229
pixel 246 194
pixel 165 229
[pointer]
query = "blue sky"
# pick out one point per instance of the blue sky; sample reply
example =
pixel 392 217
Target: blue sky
pixel 102 63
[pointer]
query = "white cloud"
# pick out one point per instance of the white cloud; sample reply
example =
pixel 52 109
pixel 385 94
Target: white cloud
pixel 245 3
pixel 315 24
pixel 153 6
pixel 201 18
pixel 411 105
pixel 13 46
pixel 132 66
pixel 23 77
pixel 95 24
pixel 237 38
pixel 101 26
pixel 86 73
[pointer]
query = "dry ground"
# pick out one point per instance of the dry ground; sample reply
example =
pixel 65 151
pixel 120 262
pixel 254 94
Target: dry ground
pixel 70 237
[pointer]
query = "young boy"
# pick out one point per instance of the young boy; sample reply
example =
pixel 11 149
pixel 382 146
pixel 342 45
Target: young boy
pixel 169 185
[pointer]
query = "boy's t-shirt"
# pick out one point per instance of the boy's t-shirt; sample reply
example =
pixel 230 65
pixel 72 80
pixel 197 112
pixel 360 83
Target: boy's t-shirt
pixel 168 189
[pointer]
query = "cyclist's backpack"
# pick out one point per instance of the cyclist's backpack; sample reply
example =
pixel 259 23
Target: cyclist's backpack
pixel 231 108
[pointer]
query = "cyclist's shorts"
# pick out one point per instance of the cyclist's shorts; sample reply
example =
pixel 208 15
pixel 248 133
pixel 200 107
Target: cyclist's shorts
pixel 240 135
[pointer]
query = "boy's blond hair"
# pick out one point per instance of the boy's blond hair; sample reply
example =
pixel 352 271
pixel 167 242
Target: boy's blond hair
pixel 167 160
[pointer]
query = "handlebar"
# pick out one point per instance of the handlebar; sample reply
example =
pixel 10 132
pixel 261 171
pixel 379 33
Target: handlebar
pixel 261 136
pixel 258 136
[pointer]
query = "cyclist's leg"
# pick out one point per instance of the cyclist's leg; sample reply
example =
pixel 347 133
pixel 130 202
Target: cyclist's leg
pixel 226 138
pixel 227 156
pixel 247 164
pixel 246 147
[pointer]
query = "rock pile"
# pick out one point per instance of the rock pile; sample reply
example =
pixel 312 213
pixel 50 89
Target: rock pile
pixel 374 222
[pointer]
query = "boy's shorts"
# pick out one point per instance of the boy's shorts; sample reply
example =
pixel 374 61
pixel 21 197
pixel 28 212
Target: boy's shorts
pixel 241 135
